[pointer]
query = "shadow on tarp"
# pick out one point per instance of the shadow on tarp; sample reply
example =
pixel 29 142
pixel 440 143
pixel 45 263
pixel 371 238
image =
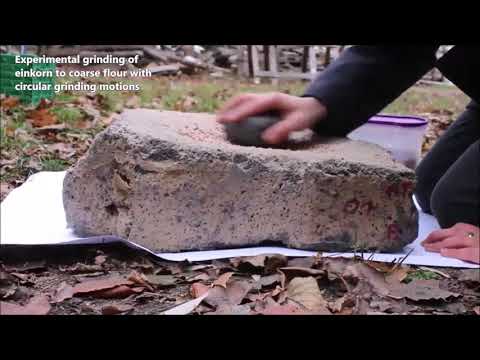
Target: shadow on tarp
pixel 70 253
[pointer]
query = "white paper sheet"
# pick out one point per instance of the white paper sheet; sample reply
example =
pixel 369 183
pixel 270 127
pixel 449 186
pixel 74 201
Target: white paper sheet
pixel 33 214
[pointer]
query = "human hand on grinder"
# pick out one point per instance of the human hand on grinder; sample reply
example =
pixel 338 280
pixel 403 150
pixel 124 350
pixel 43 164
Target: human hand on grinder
pixel 295 113
pixel 461 241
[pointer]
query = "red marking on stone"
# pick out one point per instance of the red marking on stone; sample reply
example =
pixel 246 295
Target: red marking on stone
pixel 351 206
pixel 392 189
pixel 368 207
pixel 407 186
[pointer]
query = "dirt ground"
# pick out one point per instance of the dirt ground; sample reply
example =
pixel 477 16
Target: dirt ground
pixel 115 279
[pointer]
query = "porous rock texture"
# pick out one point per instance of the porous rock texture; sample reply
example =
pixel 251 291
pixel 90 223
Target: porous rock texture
pixel 170 181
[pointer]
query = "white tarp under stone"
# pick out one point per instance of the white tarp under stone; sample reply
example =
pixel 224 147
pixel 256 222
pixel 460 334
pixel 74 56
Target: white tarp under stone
pixel 33 214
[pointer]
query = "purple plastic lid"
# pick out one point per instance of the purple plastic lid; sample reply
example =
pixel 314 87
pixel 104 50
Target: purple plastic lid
pixel 397 120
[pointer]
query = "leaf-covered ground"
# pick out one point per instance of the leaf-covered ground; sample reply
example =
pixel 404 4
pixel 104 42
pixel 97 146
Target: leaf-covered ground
pixel 113 279
pixel 119 280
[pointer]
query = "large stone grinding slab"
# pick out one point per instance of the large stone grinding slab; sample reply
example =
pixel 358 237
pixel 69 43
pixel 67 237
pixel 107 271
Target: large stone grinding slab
pixel 170 181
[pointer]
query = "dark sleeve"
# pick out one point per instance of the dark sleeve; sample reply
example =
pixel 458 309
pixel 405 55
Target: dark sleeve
pixel 460 66
pixel 365 79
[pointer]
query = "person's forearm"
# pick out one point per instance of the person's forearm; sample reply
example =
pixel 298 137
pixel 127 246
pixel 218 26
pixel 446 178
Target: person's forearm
pixel 365 79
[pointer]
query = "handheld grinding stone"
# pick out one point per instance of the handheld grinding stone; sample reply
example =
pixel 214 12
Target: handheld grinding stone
pixel 248 132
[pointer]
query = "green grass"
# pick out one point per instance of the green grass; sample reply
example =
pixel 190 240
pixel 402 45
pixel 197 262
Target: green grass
pixel 421 275
pixel 208 95
pixel 67 115
pixel 17 118
pixel 8 143
pixel 417 100
pixel 112 100
pixel 65 97
pixel 54 165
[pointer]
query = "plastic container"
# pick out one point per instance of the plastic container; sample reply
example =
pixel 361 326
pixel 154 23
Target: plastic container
pixel 8 80
pixel 402 136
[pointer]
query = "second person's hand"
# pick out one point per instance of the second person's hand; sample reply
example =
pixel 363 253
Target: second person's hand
pixel 296 113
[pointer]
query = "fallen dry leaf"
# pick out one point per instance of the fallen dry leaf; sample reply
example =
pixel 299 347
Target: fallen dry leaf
pixel 198 289
pixel 80 268
pixel 50 128
pixel 436 271
pixel 161 280
pixel 394 306
pixel 198 277
pixel 6 278
pixel 91 112
pixel 335 267
pixel 293 272
pixel 379 266
pixel 107 121
pixel 362 272
pixel 38 305
pixel 305 291
pixel 41 118
pixel 9 103
pixel 280 294
pixel 233 294
pixel 257 297
pixel 267 281
pixel 98 285
pixel 146 265
pixel 186 104
pixel 340 304
pixel 456 308
pixel 121 291
pixel 198 267
pixel 133 102
pixel 11 309
pixel 10 131
pixel 63 292
pixel 100 259
pixel 114 309
pixel 470 276
pixel 286 309
pixel 187 307
pixel 362 307
pixel 22 277
pixel 223 279
pixel 250 261
pixel 65 150
pixel 304 262
pixel 139 279
pixel 44 104
pixel 420 290
pixel 274 262
pixel 9 292
pixel 28 266
pixel 397 275
pixel 82 124
pixel 227 309
pixel 84 276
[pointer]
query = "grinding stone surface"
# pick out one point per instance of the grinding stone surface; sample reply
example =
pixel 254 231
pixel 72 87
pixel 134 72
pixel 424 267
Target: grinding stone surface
pixel 171 181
